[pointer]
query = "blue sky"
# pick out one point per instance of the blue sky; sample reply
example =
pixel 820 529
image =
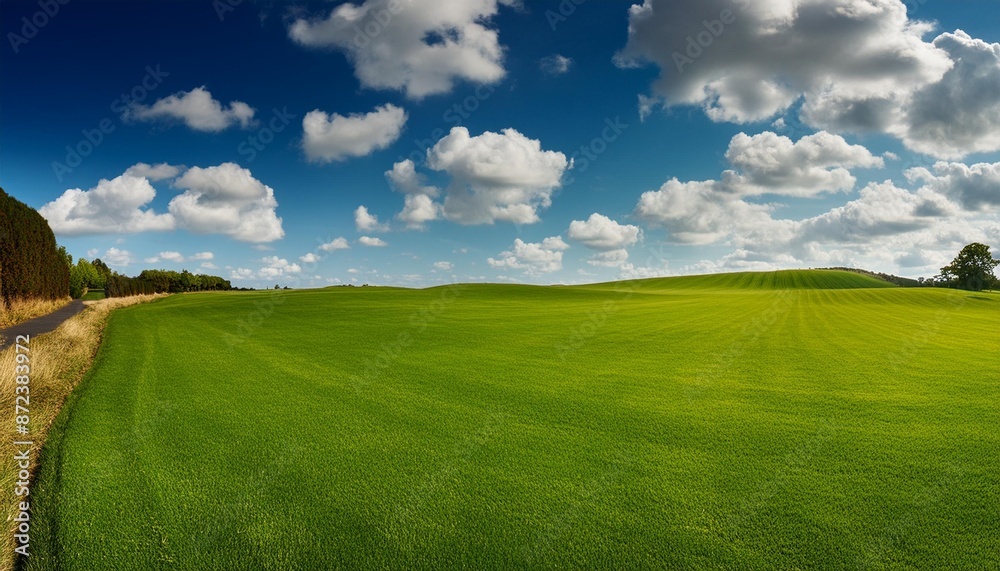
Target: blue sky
pixel 603 142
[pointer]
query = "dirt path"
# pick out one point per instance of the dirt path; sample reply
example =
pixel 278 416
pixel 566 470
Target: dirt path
pixel 39 325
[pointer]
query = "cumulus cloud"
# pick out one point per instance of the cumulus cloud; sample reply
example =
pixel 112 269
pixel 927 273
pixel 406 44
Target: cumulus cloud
pixel 772 164
pixel 555 64
pixel 335 244
pixel 116 206
pixel 421 47
pixel 606 235
pixel 697 212
pixel 975 187
pixel 203 256
pixel 117 258
pixel 856 65
pixel 175 257
pixel 162 171
pixel 334 137
pixel 533 258
pixel 496 176
pixel 368 222
pixel 227 199
pixel 373 242
pixel 609 259
pixel 602 233
pixel 880 210
pixel 197 109
pixel 960 114
pixel 310 258
pixel 446 266
pixel 275 267
pixel 404 178
pixel 418 210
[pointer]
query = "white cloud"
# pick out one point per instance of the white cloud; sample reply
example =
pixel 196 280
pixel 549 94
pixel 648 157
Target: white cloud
pixel 367 222
pixel 162 171
pixel 227 199
pixel 197 109
pixel 698 213
pixel 772 164
pixel 151 260
pixel 421 47
pixel 705 212
pixel 175 257
pixel 856 65
pixel 335 137
pixel 418 210
pixel 92 252
pixel 555 64
pixel 335 244
pixel 975 187
pixel 241 274
pixel 496 176
pixel 533 258
pixel 446 266
pixel 880 210
pixel 609 259
pixel 960 114
pixel 117 258
pixel 209 266
pixel 373 242
pixel 310 258
pixel 275 267
pixel 602 233
pixel 113 206
pixel 202 256
pixel 404 178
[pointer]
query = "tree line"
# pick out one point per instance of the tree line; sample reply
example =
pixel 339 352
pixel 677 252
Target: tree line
pixel 30 264
pixel 85 275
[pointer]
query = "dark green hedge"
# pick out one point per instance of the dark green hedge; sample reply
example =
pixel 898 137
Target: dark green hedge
pixel 30 266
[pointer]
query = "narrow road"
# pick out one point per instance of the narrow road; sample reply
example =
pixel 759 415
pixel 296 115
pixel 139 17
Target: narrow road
pixel 39 325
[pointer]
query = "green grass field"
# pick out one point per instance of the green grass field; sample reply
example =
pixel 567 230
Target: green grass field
pixel 93 294
pixel 792 420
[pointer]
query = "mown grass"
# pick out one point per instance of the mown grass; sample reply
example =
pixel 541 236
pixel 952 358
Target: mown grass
pixel 93 294
pixel 697 423
pixel 57 362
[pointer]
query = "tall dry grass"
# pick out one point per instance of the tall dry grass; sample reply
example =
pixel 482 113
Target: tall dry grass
pixel 24 309
pixel 58 361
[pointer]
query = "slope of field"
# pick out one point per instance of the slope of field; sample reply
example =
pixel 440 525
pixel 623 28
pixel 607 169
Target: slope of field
pixel 699 423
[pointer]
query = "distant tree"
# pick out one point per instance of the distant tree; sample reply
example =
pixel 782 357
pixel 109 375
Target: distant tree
pixel 103 272
pixel 82 276
pixel 65 255
pixel 276 286
pixel 972 269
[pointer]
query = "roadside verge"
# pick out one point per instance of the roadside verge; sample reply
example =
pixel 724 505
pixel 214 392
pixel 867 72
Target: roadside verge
pixel 56 362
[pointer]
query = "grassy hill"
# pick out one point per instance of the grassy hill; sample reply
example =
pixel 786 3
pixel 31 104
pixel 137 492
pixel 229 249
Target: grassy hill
pixel 786 279
pixel 812 420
